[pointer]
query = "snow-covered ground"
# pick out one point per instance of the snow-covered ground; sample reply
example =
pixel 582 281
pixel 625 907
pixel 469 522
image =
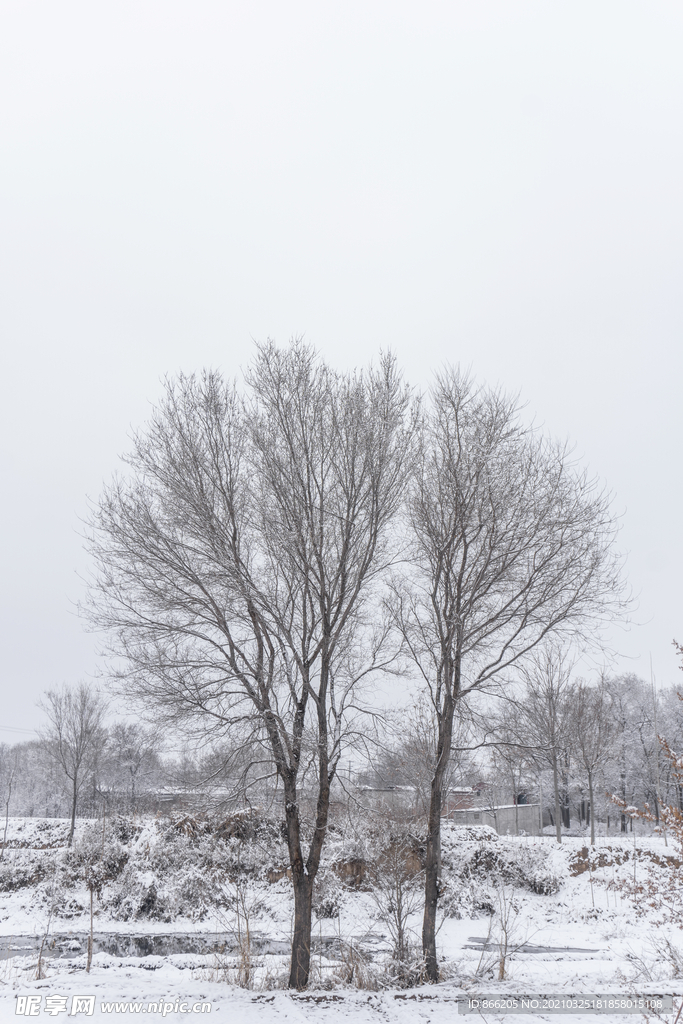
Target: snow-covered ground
pixel 570 931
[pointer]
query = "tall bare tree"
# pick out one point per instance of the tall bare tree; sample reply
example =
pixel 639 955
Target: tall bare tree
pixel 512 544
pixel 74 737
pixel 240 567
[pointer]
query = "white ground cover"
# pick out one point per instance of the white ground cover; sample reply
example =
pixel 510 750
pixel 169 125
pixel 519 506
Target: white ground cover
pixel 593 936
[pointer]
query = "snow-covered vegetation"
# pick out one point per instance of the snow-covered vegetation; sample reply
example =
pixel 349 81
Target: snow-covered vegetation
pixel 185 872
pixel 517 913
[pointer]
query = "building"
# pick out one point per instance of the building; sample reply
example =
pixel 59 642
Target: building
pixel 506 819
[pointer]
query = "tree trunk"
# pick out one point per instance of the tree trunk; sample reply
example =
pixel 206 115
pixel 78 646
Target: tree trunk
pixel 432 865
pixel 7 803
pixel 301 940
pixel 566 819
pixel 303 892
pixel 590 807
pixel 304 874
pixel 515 800
pixel 74 798
pixel 558 813
pixel 433 850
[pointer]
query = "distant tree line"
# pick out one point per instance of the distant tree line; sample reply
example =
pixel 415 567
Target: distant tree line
pixel 552 738
pixel 559 739
pixel 83 764
pixel 574 742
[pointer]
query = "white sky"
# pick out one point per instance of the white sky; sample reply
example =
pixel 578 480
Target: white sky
pixel 494 183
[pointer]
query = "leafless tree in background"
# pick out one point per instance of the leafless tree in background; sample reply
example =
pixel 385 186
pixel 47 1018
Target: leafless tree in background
pixel 74 738
pixel 512 545
pixel 240 567
pixel 623 692
pixel 544 714
pixel 511 757
pixel 133 757
pixel 672 728
pixel 404 753
pixel 9 761
pixel 592 732
pixel 646 728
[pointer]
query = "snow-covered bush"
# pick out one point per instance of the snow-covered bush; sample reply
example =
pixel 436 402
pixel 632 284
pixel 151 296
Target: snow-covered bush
pixel 179 867
pixel 329 893
pixel 96 845
pixel 398 892
pixel 475 861
pixel 22 873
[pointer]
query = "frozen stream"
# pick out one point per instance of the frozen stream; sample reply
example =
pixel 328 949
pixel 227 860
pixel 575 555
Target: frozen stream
pixel 72 945
pixel 127 944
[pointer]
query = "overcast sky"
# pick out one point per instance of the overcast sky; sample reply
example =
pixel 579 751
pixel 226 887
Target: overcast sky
pixel 498 184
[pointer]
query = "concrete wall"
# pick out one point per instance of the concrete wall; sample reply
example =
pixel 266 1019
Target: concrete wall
pixel 503 819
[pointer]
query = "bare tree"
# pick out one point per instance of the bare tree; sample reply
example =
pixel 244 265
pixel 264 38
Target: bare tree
pixel 510 757
pixel 241 565
pixel 404 752
pixel 623 692
pixel 396 885
pixel 647 752
pixel 544 714
pixel 133 756
pixel 672 728
pixel 512 544
pixel 592 727
pixel 9 762
pixel 74 737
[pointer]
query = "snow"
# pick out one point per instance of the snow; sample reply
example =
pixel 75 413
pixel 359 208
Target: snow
pixel 589 934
